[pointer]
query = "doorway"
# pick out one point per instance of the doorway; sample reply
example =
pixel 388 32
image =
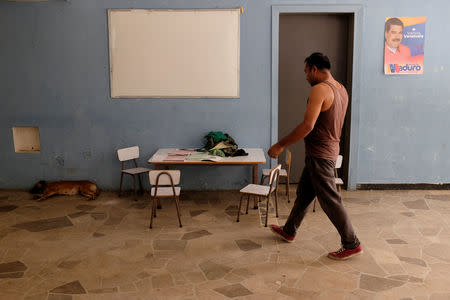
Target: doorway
pixel 301 34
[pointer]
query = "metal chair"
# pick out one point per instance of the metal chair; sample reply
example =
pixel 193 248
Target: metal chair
pixel 126 155
pixel 339 182
pixel 262 191
pixel 164 185
pixel 283 172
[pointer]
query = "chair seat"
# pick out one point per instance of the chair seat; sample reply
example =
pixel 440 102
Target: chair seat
pixel 134 171
pixel 338 181
pixel 283 172
pixel 166 191
pixel 256 189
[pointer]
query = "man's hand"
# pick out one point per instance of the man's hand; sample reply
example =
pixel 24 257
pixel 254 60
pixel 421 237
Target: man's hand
pixel 275 150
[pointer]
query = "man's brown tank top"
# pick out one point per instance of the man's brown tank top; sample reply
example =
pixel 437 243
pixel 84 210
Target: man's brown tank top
pixel 323 140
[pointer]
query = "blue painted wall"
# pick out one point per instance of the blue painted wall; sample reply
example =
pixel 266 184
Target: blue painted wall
pixel 404 120
pixel 54 74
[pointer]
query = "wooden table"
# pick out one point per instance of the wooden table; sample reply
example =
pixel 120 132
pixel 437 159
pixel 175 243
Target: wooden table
pixel 253 159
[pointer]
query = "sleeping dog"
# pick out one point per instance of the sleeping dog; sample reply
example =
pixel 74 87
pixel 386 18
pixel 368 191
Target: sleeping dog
pixel 43 189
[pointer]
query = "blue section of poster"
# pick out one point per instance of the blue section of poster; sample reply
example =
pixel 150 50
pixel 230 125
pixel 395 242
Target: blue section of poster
pixel 414 38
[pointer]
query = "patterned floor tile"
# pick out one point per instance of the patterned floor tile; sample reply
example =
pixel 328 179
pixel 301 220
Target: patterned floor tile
pixel 247 245
pixel 195 234
pixel 46 224
pixel 73 287
pixel 108 252
pixel 234 290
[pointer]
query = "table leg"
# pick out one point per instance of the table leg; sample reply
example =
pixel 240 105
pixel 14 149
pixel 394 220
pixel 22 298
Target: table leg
pixel 255 181
pixel 158 201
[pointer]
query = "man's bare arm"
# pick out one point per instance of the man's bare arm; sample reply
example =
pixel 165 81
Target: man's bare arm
pixel 316 100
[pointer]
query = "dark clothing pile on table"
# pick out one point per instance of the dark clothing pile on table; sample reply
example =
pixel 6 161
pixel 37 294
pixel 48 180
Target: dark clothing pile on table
pixel 222 144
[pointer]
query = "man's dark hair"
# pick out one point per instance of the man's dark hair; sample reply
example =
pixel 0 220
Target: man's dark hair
pixel 392 21
pixel 319 60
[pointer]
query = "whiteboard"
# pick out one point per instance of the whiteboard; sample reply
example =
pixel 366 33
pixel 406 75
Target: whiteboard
pixel 174 53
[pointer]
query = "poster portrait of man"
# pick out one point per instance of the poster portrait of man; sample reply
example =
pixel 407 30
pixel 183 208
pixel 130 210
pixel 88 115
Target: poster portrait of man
pixel 404 45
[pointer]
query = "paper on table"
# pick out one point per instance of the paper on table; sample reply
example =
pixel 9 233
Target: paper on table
pixel 182 152
pixel 203 156
pixel 175 158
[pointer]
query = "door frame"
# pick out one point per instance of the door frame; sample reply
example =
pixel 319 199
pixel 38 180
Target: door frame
pixel 357 11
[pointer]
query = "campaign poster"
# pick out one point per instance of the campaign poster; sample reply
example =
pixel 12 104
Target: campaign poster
pixel 404 40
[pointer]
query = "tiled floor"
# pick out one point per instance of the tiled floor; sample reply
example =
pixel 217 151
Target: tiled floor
pixel 69 248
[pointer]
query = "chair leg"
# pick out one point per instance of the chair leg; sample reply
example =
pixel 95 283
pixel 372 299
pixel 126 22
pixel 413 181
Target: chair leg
pixel 159 206
pixel 177 203
pixel 263 178
pixel 267 209
pixel 248 200
pixel 287 188
pixel 120 189
pixel 153 213
pixel 134 187
pixel 239 209
pixel 314 205
pixel 276 203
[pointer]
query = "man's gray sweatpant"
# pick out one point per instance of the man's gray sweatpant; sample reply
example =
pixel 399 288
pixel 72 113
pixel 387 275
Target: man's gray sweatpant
pixel 318 180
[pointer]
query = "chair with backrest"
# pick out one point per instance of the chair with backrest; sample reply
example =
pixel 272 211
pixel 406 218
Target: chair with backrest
pixel 127 155
pixel 283 172
pixel 260 190
pixel 339 182
pixel 164 185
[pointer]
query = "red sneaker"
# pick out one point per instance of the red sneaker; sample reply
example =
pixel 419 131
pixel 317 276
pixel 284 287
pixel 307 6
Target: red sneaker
pixel 343 254
pixel 279 232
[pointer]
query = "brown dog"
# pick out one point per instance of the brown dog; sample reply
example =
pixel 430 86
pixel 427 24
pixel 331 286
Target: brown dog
pixel 44 189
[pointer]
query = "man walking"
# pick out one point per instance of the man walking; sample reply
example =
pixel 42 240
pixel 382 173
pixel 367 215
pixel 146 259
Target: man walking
pixel 321 130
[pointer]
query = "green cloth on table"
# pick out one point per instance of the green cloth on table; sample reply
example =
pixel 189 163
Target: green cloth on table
pixel 217 140
pixel 217 152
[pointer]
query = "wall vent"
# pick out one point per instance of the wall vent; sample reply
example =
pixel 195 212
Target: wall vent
pixel 26 139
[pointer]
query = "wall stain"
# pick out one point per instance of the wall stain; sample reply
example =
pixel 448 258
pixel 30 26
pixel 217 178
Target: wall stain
pixel 72 170
pixel 87 154
pixel 60 160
